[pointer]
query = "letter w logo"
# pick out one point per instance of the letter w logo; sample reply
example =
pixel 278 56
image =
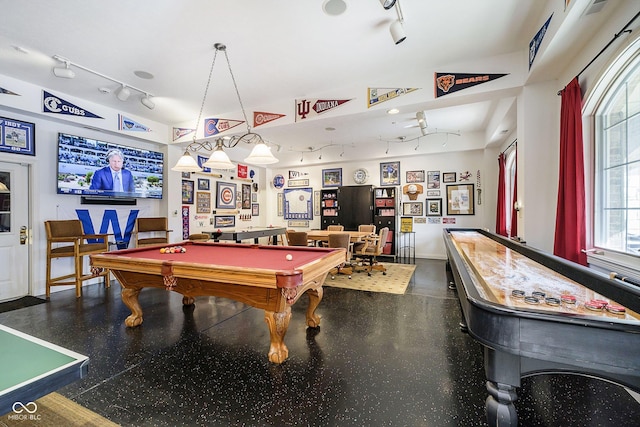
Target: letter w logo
pixel 110 216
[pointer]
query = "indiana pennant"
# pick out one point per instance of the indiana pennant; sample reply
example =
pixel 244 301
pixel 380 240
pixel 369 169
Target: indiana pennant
pixel 7 92
pixel 56 105
pixel 535 43
pixel 306 108
pixel 125 123
pixel 260 118
pixel 215 126
pixel 180 132
pixel 446 83
pixel 378 95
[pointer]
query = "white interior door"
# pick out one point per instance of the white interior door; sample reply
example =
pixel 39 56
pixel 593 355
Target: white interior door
pixel 14 230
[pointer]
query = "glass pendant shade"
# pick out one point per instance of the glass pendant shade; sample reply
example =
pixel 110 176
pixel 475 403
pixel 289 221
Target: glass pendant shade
pixel 261 155
pixel 219 160
pixel 187 164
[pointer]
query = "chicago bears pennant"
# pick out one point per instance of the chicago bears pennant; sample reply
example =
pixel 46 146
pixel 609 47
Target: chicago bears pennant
pixel 446 83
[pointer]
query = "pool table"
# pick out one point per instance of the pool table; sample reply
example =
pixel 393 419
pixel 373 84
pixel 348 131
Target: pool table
pixel 258 275
pixel 536 313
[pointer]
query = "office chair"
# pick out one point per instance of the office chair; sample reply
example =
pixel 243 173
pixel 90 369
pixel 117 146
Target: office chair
pixel 373 247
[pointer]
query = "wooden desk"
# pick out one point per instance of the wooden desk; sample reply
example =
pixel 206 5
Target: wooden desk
pixel 323 235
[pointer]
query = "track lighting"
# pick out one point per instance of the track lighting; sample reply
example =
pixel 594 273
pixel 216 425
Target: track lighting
pixel 396 29
pixel 387 4
pixel 65 73
pixel 122 93
pixel 422 122
pixel 397 32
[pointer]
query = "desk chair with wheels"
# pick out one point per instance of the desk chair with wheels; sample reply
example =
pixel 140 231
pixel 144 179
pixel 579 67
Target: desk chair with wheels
pixel 67 239
pixel 152 231
pixel 365 228
pixel 373 247
pixel 341 240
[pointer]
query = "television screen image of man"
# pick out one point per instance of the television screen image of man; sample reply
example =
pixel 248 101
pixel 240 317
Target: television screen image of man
pixel 113 177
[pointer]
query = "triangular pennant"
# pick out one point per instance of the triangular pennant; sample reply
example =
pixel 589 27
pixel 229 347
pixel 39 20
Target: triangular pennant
pixel 125 123
pixel 260 118
pixel 378 95
pixel 215 126
pixel 446 83
pixel 306 108
pixel 535 43
pixel 180 132
pixel 7 92
pixel 56 105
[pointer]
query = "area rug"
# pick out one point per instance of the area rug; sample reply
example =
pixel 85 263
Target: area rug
pixel 23 302
pixel 56 410
pixel 394 282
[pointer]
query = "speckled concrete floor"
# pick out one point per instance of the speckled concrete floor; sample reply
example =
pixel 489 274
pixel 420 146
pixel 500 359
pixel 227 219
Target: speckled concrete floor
pixel 377 360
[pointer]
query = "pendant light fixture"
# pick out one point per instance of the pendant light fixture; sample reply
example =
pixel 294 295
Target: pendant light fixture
pixel 260 155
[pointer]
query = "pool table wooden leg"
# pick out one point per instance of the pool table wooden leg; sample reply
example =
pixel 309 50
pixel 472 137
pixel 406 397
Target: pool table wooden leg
pixel 130 299
pixel 315 296
pixel 278 323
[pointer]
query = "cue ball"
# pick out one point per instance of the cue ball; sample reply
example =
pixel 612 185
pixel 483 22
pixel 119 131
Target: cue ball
pixel 289 257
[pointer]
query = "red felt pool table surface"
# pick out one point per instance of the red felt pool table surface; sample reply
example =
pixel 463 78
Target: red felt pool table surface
pixel 256 275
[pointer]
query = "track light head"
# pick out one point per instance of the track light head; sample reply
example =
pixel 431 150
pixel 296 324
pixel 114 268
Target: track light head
pixel 123 93
pixel 147 102
pixel 397 32
pixel 387 4
pixel 65 73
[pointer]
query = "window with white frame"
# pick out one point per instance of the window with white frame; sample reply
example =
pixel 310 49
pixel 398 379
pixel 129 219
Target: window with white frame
pixel 617 163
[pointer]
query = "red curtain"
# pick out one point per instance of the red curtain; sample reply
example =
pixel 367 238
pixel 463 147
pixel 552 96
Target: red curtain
pixel 514 213
pixel 570 235
pixel 501 214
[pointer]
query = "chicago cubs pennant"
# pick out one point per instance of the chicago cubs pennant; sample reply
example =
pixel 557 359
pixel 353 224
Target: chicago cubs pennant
pixel 216 126
pixel 56 105
pixel 7 92
pixel 306 108
pixel 446 83
pixel 125 123
pixel 260 118
pixel 535 43
pixel 379 95
pixel 180 132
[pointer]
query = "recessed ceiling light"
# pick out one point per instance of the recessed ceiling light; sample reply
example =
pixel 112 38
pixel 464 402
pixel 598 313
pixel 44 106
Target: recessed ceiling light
pixel 393 111
pixel 329 129
pixel 143 75
pixel 334 7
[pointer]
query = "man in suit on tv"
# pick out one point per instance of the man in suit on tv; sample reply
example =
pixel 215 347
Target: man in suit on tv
pixel 113 177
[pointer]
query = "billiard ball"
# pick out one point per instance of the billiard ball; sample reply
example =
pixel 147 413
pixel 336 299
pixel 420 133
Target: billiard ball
pixel 289 257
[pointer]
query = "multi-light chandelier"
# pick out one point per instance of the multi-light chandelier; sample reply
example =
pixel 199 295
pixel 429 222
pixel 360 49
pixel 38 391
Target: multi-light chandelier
pixel 260 155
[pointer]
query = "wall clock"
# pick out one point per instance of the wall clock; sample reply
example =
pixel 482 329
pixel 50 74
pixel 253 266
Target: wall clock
pixel 360 176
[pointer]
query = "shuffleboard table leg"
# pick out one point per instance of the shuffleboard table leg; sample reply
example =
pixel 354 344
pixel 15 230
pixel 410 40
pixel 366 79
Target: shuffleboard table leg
pixel 130 299
pixel 278 323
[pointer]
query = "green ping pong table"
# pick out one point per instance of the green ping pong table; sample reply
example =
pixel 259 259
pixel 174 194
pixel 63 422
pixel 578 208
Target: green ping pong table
pixel 31 368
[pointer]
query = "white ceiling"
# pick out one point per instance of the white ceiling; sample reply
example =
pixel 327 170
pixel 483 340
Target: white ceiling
pixel 279 51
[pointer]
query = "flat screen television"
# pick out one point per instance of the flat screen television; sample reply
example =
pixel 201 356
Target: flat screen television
pixel 83 169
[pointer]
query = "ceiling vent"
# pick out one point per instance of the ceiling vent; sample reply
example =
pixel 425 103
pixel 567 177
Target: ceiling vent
pixel 594 7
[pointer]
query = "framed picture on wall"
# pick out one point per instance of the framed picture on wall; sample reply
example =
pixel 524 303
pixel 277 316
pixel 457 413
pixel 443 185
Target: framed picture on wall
pixel 225 195
pixel 255 209
pixel 389 173
pixel 220 221
pixel 434 207
pixel 449 177
pixel 187 191
pixel 433 179
pixel 414 176
pixel 412 209
pixel 460 199
pixel 203 184
pixel 332 177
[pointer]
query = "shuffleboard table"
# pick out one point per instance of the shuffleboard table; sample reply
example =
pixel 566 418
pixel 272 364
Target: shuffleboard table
pixel 536 313
pixel 258 275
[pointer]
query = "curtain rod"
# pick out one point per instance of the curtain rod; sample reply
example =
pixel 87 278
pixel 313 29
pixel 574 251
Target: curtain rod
pixel 624 30
pixel 515 141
